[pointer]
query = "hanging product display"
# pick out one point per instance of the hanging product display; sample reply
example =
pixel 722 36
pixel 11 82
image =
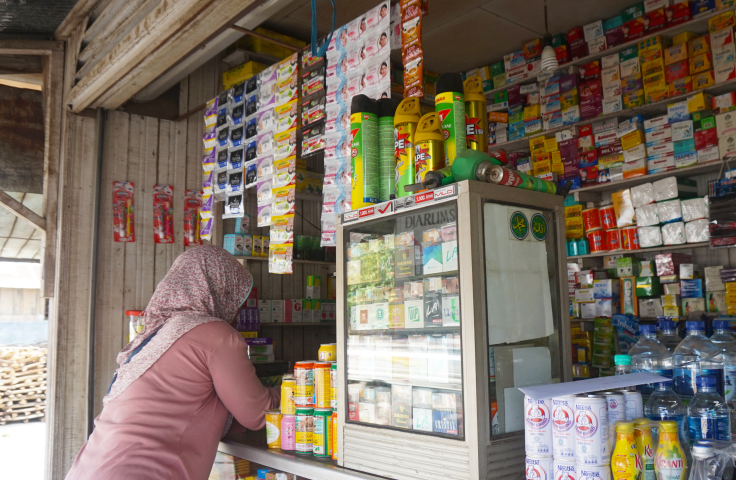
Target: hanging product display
pixel 412 55
pixel 163 214
pixel 123 220
pixel 192 202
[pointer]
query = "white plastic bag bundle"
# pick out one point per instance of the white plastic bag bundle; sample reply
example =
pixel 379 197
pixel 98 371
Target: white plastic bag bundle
pixel 674 233
pixel 649 237
pixel 646 215
pixel 694 209
pixel 642 195
pixel 697 231
pixel 669 211
pixel 665 189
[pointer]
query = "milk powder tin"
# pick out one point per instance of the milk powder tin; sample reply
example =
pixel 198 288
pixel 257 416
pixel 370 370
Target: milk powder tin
pixel 591 431
pixel 273 428
pixel 304 428
pixel 538 426
pixel 288 432
pixel 539 468
pixel 634 404
pixel 616 413
pixel 563 427
pixel 593 472
pixel 564 470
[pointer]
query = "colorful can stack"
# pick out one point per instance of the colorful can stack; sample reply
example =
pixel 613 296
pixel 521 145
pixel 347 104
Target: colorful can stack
pixel 538 441
pixel 592 449
pixel 304 380
pixel 322 389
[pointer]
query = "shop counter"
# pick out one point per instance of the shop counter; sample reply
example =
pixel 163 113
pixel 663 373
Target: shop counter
pixel 254 449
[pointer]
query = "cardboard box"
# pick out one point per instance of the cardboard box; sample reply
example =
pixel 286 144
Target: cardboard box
pixel 724 55
pixel 703 80
pixel 677 13
pixel 675 53
pixel 725 73
pixel 681 86
pixel 721 38
pixel 677 70
pixel 700 63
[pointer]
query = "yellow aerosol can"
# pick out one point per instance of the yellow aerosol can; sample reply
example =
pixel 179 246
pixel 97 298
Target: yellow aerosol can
pixel 405 125
pixel 476 119
pixel 429 146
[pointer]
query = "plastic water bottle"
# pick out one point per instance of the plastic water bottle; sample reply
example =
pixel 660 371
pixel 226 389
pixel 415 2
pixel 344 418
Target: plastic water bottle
pixel 723 339
pixel 664 404
pixel 623 364
pixel 706 462
pixel 708 416
pixel 695 357
pixel 648 355
pixel 668 336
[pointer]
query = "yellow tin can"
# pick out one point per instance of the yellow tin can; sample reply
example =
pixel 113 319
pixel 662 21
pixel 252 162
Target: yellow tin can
pixel 476 118
pixel 327 352
pixel 288 390
pixel 273 428
pixel 429 146
pixel 405 125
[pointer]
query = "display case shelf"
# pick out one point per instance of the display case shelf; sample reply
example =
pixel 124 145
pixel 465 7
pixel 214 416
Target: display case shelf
pixel 699 25
pixel 438 386
pixel 265 259
pixel 410 331
pixel 299 324
pixel 666 248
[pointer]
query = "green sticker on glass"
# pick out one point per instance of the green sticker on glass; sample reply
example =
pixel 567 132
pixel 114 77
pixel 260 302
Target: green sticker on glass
pixel 519 226
pixel 539 227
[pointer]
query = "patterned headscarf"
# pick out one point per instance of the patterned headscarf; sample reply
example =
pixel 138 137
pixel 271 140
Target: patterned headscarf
pixel 205 284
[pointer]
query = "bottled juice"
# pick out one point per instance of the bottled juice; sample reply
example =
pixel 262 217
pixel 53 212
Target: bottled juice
pixel 626 461
pixel 644 444
pixel 669 461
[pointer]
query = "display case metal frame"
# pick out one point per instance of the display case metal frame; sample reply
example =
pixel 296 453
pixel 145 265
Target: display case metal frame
pixel 405 455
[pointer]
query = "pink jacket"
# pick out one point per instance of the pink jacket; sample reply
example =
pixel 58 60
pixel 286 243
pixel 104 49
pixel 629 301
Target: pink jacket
pixel 167 424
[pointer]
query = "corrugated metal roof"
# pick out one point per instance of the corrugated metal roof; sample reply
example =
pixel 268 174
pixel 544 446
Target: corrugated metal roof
pixel 36 17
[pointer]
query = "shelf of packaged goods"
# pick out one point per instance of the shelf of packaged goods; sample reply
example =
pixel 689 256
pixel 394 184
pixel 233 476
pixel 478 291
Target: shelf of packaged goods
pixel 305 466
pixel 698 25
pixel 648 109
pixel 439 386
pixel 667 248
pixel 265 259
pixel 405 331
pixel 304 324
pixel 582 193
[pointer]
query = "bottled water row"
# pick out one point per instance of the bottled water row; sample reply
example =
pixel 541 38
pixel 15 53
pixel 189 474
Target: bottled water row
pixel 700 397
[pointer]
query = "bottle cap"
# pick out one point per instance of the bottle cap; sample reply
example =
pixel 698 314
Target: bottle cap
pixel 449 82
pixel 622 359
pixel 721 325
pixel 647 329
pixel 667 325
pixel 363 103
pixel 705 382
pixel 702 451
pixel 428 128
pixel 625 427
pixel 387 107
pixel 669 426
pixel 696 325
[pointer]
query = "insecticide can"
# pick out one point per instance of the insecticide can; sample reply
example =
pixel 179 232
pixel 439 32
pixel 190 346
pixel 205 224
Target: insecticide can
pixel 476 118
pixel 405 125
pixel 449 104
pixel 429 146
pixel 288 433
pixel 322 436
pixel 387 166
pixel 304 380
pixel 304 420
pixel 288 391
pixel 591 431
pixel 538 426
pixel 563 427
pixel 333 385
pixel 273 428
pixel 364 151
pixel 511 178
pixel 333 423
pixel 322 391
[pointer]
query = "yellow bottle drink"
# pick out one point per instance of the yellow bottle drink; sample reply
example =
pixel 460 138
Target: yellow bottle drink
pixel 669 461
pixel 626 461
pixel 645 446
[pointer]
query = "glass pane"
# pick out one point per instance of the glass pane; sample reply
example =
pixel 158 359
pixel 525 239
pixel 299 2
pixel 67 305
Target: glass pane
pixel 403 329
pixel 522 307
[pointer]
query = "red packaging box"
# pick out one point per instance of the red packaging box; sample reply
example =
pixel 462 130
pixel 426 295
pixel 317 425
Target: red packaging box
pixel 591 90
pixel 706 138
pixel 615 36
pixel 586 130
pixel 590 109
pixel 578 49
pixel 571 167
pixel 677 14
pixel 654 21
pixel 611 149
pixel 633 29
pixel 677 70
pixel 590 71
pixel 588 158
pixel 575 34
pixel 563 56
pixel 669 263
pixel 589 176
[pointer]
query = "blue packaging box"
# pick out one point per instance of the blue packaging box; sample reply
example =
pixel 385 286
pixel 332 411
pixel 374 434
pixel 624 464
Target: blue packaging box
pixel 691 288
pixel 445 422
pixel 684 146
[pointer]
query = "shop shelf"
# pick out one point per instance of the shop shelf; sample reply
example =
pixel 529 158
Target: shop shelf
pixel 698 25
pixel 440 386
pixel 407 331
pixel 300 324
pixel 265 259
pixel 667 248
pixel 307 197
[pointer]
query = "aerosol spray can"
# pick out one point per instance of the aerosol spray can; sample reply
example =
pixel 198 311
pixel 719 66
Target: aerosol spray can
pixel 450 107
pixel 364 151
pixel 405 125
pixel 511 178
pixel 429 146
pixel 386 146
pixel 476 119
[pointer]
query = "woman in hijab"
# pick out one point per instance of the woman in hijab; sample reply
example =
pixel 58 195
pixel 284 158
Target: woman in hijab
pixel 183 382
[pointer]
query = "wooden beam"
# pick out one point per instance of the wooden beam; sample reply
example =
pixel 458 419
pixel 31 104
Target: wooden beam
pixel 30 47
pixel 75 16
pixel 21 211
pixel 191 112
pixel 265 37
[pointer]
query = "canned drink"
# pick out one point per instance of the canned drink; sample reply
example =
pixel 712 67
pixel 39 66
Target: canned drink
pixel 304 381
pixel 645 446
pixel 327 352
pixel 322 389
pixel 273 428
pixel 288 387
pixel 333 423
pixel 537 426
pixel 333 386
pixel 304 420
pixel 429 147
pixel 591 431
pixel 539 468
pixel 322 433
pixel 593 472
pixel 564 469
pixel 634 404
pixel 288 433
pixel 563 427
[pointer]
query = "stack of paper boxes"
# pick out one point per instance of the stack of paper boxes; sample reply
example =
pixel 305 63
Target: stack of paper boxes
pixel 631 135
pixel 677 67
pixel 724 53
pixel 651 59
pixel 606 293
pixel 659 149
pixel 551 103
pixel 595 37
pixel 611 81
pixel 577 46
pixel 591 90
pixel 610 150
pixel 498 127
pixel 569 99
pixel 726 132
pixel 632 88
pixel 715 291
